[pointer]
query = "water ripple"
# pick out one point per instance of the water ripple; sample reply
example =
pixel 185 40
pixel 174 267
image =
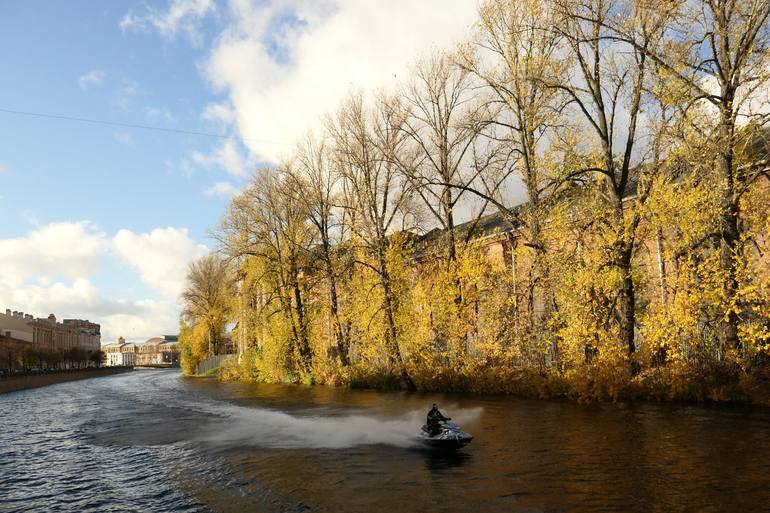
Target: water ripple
pixel 66 448
pixel 153 442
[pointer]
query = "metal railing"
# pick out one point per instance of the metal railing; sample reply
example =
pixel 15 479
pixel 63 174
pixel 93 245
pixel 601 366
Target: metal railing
pixel 212 363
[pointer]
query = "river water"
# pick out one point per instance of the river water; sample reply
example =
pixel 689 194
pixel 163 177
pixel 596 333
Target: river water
pixel 153 441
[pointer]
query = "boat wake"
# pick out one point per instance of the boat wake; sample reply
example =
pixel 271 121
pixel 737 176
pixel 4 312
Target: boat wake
pixel 276 429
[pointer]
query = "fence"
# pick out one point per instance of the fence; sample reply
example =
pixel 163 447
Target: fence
pixel 212 363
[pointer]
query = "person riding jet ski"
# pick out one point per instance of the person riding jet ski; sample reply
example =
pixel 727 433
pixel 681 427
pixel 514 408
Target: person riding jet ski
pixel 440 433
pixel 435 417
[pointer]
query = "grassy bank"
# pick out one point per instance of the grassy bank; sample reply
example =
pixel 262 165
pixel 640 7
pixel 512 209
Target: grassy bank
pixel 719 383
pixel 211 373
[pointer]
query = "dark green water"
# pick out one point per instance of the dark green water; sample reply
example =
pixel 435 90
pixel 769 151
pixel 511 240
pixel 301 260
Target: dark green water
pixel 153 441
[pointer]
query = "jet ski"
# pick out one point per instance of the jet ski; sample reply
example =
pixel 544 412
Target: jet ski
pixel 450 436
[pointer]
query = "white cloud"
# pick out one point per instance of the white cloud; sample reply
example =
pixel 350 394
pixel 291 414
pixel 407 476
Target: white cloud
pixel 127 92
pixel 186 168
pixel 131 88
pixel 81 299
pixel 93 78
pixel 123 137
pixel 3 168
pixel 156 114
pixel 160 257
pixel 227 156
pixel 752 100
pixel 30 217
pixel 67 249
pixel 151 318
pixel 221 190
pixel 301 69
pixel 182 16
pixel 50 270
pixel 60 298
pixel 219 112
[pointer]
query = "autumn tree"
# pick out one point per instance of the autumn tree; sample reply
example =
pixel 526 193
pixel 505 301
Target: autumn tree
pixel 318 186
pixel 378 198
pixel 636 130
pixel 515 56
pixel 606 88
pixel 445 120
pixel 718 50
pixel 206 305
pixel 268 222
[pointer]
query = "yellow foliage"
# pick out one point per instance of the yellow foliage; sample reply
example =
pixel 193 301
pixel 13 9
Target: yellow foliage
pixel 466 325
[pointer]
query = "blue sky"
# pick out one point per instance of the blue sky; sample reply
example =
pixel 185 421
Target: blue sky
pixel 124 178
pixel 101 221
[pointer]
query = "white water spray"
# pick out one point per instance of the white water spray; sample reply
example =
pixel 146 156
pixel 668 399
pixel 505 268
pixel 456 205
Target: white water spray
pixel 276 429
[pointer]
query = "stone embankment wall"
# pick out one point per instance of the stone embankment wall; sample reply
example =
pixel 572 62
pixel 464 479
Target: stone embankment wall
pixel 11 384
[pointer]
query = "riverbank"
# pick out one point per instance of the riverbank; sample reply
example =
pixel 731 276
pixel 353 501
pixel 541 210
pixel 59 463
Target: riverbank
pixel 12 384
pixel 676 384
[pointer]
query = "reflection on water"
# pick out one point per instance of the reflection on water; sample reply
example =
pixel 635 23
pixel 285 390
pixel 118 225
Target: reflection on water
pixel 152 441
pixel 436 461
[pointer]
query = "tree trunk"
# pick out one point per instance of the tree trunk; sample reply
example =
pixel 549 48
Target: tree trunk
pixel 452 250
pixel 287 310
pixel 728 330
pixel 627 299
pixel 334 306
pixel 392 331
pixel 627 304
pixel 450 224
pixel 661 267
pixel 537 268
pixel 303 345
pixel 728 323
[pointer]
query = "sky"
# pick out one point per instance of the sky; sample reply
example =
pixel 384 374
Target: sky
pixel 100 221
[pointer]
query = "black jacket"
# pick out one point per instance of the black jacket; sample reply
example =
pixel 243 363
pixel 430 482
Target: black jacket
pixel 435 416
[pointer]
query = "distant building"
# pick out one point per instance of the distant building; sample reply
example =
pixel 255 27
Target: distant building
pixel 160 351
pixel 52 336
pixel 112 354
pixel 169 350
pixel 15 338
pixel 120 353
pixel 89 333
pixel 27 341
pixel 129 351
pixel 149 352
pixel 16 325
